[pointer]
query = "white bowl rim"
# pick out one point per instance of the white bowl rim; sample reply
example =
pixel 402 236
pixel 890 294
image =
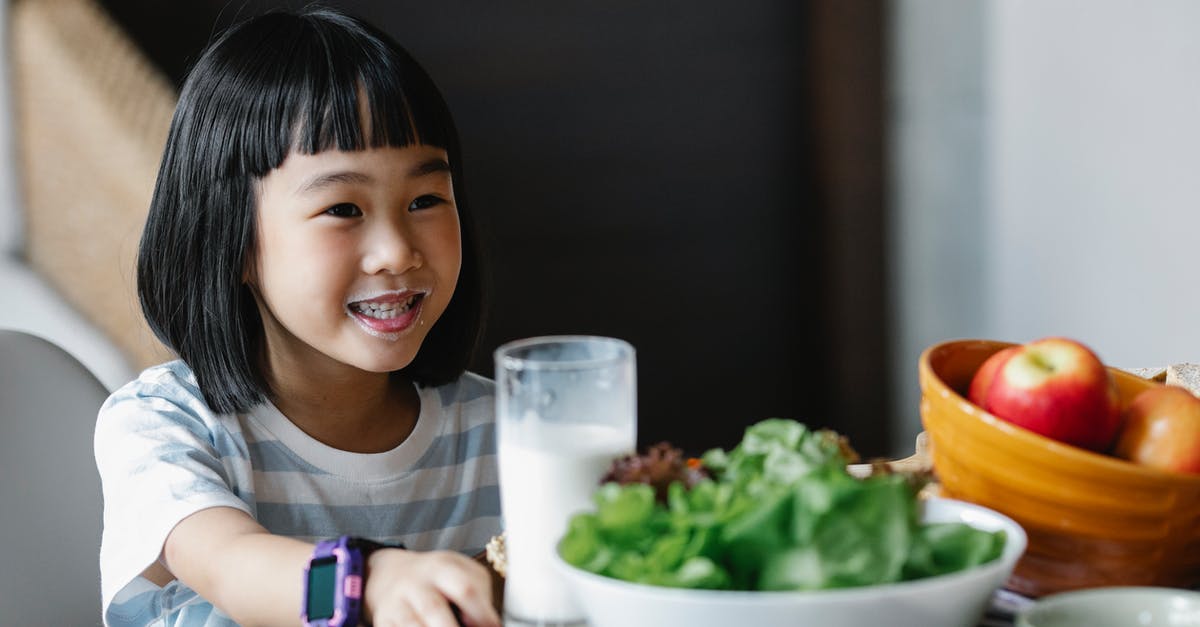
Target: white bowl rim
pixel 1014 546
pixel 1101 598
pixel 1108 593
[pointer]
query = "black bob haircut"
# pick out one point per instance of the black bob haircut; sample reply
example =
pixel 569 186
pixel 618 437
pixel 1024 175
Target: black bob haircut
pixel 280 82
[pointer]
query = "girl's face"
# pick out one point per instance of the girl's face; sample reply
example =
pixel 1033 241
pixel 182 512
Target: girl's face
pixel 358 255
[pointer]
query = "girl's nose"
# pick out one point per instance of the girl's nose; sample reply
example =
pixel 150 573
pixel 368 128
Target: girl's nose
pixel 391 249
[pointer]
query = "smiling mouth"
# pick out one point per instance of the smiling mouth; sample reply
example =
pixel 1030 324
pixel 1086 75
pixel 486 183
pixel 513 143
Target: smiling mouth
pixel 386 310
pixel 387 316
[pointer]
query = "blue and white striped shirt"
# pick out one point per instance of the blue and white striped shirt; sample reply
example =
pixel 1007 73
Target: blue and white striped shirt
pixel 164 455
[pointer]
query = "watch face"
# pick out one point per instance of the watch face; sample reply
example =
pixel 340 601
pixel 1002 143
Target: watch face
pixel 322 580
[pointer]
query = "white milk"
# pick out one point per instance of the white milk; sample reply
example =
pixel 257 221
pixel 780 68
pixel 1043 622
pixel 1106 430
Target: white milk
pixel 541 486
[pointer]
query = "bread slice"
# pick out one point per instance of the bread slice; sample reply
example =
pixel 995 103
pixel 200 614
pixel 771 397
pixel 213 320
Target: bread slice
pixel 1185 376
pixel 1157 373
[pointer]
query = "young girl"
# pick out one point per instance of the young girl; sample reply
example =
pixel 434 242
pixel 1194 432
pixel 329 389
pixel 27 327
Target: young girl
pixel 309 256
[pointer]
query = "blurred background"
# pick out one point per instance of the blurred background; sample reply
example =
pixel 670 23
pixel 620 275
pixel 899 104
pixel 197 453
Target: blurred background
pixel 779 203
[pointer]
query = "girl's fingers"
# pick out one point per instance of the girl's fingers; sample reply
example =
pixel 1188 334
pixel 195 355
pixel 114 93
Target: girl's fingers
pixel 469 587
pixel 399 615
pixel 424 590
pixel 433 608
pixel 476 612
pixel 480 616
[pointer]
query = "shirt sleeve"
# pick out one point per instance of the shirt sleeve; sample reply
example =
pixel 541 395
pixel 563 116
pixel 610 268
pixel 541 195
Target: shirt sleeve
pixel 159 452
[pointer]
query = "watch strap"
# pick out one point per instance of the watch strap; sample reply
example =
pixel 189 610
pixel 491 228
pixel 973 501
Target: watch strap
pixel 367 546
pixel 349 585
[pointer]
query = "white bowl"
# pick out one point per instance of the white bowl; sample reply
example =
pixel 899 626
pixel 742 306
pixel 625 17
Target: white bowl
pixel 1115 607
pixel 952 600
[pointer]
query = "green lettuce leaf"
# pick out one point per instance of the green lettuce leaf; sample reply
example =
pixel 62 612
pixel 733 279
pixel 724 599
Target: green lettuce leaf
pixel 781 513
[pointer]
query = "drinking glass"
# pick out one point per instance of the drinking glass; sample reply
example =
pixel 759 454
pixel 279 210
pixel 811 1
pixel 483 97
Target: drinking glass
pixel 565 408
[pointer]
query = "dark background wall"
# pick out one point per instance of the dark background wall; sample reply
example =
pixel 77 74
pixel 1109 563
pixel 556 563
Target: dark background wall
pixel 700 178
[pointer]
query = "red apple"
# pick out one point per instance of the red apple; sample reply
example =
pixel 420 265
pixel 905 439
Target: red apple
pixel 1162 429
pixel 1059 388
pixel 983 377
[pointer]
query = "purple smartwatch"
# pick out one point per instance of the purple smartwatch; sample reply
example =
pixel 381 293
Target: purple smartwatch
pixel 334 582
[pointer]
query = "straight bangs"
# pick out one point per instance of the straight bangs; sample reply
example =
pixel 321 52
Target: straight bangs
pixel 322 82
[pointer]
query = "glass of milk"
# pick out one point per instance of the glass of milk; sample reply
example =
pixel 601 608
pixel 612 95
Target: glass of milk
pixel 566 406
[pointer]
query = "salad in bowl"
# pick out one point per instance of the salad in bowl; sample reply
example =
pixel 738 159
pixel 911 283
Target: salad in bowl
pixel 776 531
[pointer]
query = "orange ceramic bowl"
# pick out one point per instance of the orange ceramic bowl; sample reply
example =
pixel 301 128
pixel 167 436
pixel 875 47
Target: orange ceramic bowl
pixel 1092 520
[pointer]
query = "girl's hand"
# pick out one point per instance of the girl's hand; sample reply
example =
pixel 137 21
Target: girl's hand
pixel 414 589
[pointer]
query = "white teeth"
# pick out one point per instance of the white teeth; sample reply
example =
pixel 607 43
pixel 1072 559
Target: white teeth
pixel 385 311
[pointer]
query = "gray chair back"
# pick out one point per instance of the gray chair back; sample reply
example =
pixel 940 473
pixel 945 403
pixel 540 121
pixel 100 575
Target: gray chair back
pixel 50 502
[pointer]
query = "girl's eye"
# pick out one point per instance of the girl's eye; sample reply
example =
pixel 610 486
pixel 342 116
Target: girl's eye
pixel 425 202
pixel 344 210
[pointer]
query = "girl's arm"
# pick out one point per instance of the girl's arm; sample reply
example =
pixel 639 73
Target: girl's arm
pixel 257 578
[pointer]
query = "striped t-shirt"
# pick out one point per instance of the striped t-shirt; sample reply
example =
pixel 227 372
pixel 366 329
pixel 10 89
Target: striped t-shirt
pixel 164 455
